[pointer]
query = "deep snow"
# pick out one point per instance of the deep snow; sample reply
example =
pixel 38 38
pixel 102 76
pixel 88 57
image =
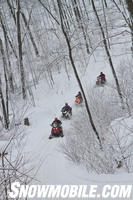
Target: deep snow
pixel 46 155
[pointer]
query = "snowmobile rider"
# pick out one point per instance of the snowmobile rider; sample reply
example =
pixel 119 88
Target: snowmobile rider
pixel 57 121
pixel 67 108
pixel 102 76
pixel 79 95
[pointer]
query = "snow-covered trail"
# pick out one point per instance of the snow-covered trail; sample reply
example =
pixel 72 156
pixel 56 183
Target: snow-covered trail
pixel 46 155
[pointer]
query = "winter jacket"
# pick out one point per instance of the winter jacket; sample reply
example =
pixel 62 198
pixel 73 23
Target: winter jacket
pixel 79 96
pixel 67 108
pixel 58 122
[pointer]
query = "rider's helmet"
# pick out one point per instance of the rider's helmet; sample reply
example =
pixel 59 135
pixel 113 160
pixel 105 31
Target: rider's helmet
pixel 66 104
pixel 101 73
pixel 55 118
pixel 79 93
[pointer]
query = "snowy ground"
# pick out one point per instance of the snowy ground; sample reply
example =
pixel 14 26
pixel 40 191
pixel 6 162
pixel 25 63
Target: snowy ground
pixel 46 155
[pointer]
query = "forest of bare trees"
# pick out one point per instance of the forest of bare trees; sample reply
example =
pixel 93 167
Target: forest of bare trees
pixel 41 37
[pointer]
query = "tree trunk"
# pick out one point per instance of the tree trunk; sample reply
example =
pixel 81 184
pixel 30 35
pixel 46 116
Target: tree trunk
pixel 8 39
pixel 80 23
pixel 4 105
pixel 130 10
pixel 76 74
pixel 20 56
pixel 10 75
pixel 108 53
pixel 12 12
pixel 49 12
pixel 4 176
pixel 31 37
pixel 106 26
pixel 6 122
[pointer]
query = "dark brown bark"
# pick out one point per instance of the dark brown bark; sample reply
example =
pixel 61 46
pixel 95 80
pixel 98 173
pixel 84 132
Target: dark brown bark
pixel 6 122
pixel 130 7
pixel 8 39
pixel 76 74
pixel 10 75
pixel 4 176
pixel 12 11
pixel 5 106
pixel 20 57
pixel 105 2
pixel 130 10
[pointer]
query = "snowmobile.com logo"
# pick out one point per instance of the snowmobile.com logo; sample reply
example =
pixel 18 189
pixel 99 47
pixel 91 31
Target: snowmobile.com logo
pixel 70 191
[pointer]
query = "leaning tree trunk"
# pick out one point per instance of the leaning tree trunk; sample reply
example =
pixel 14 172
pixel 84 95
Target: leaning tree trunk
pixel 76 74
pixel 20 56
pixel 108 53
pixel 4 176
pixel 4 105
pixel 3 24
pixel 11 10
pixel 9 71
pixel 6 121
pixel 130 10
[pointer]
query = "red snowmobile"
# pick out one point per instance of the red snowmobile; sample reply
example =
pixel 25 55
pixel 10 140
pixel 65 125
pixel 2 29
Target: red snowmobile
pixel 56 131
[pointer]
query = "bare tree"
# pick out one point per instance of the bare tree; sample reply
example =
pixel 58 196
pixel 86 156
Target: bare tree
pixel 13 165
pixel 11 10
pixel 5 105
pixel 6 121
pixel 80 23
pixel 130 10
pixel 9 70
pixel 128 21
pixel 6 34
pixel 76 73
pixel 108 53
pixel 49 12
pixel 20 54
pixel 4 175
pixel 30 34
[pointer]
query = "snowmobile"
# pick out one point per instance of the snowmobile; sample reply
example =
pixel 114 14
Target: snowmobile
pixel 56 131
pixel 100 81
pixel 78 100
pixel 66 114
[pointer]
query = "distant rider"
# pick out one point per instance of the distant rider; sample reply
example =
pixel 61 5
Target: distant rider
pixel 79 95
pixel 102 76
pixel 67 108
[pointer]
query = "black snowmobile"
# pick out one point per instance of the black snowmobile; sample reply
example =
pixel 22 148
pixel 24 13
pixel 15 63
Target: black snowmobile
pixel 66 114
